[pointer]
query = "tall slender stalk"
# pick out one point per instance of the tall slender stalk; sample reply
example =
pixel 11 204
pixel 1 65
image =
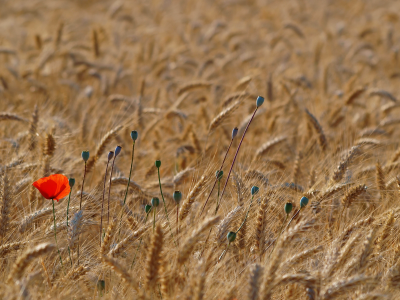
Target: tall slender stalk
pixel 109 157
pixel 71 183
pixel 234 133
pixel 85 157
pixel 259 102
pixel 55 236
pixel 148 210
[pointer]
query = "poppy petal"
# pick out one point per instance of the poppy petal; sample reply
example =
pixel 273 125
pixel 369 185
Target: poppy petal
pixel 53 187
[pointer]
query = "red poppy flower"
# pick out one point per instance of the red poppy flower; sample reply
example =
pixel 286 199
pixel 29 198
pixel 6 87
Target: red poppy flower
pixel 53 187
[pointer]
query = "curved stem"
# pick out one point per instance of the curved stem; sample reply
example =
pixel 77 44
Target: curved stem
pixel 165 206
pixel 80 204
pixel 280 232
pixel 140 242
pixel 219 185
pixel 236 154
pixel 216 179
pixel 55 236
pixel 109 191
pixel 247 214
pixel 102 202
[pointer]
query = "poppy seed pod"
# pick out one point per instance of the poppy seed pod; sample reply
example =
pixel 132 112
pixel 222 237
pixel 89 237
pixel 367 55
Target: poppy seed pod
pixel 219 174
pixel 71 182
pixel 231 236
pixel 134 135
pixel 254 190
pixel 158 163
pixel 155 201
pixel 177 196
pixel 110 155
pixel 288 208
pixel 85 155
pixel 117 150
pixel 234 132
pixel 101 285
pixel 259 101
pixel 303 202
pixel 147 208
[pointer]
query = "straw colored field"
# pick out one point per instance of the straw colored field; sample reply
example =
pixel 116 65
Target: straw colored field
pixel 81 75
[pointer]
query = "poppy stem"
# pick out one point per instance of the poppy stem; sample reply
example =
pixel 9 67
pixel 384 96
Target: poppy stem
pixel 217 178
pixel 219 185
pixel 140 242
pixel 127 188
pixel 177 219
pixel 165 206
pixel 55 236
pixel 280 233
pixel 83 183
pixel 247 214
pixel 80 204
pixel 154 222
pixel 69 199
pixel 102 203
pixel 109 190
pixel 236 154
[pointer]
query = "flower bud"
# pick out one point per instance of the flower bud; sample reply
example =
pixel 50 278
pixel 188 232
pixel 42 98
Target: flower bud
pixel 254 190
pixel 117 150
pixel 219 174
pixel 231 236
pixel 110 155
pixel 177 196
pixel 101 285
pixel 85 155
pixel 134 135
pixel 71 182
pixel 303 202
pixel 288 208
pixel 158 163
pixel 147 208
pixel 234 132
pixel 259 101
pixel 155 201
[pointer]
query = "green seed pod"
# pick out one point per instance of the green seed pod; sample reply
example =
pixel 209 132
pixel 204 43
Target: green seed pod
pixel 254 190
pixel 231 236
pixel 177 196
pixel 134 135
pixel 303 202
pixel 101 285
pixel 259 101
pixel 85 155
pixel 71 182
pixel 147 208
pixel 158 164
pixel 288 208
pixel 155 201
pixel 219 174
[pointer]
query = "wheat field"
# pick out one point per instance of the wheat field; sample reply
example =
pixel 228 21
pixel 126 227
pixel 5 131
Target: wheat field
pixel 82 75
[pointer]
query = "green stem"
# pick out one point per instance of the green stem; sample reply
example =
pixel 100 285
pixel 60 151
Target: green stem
pixel 69 254
pixel 154 222
pixel 55 235
pixel 247 214
pixel 127 188
pixel 102 202
pixel 69 199
pixel 140 242
pixel 219 185
pixel 280 232
pixel 80 205
pixel 165 206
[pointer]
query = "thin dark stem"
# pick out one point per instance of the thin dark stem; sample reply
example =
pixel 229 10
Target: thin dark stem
pixel 280 233
pixel 80 205
pixel 236 154
pixel 140 242
pixel 109 191
pixel 55 236
pixel 219 186
pixel 102 203
pixel 83 183
pixel 216 179
pixel 247 214
pixel 165 206
pixel 69 199
pixel 177 220
pixel 294 216
pixel 127 188
pixel 154 222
